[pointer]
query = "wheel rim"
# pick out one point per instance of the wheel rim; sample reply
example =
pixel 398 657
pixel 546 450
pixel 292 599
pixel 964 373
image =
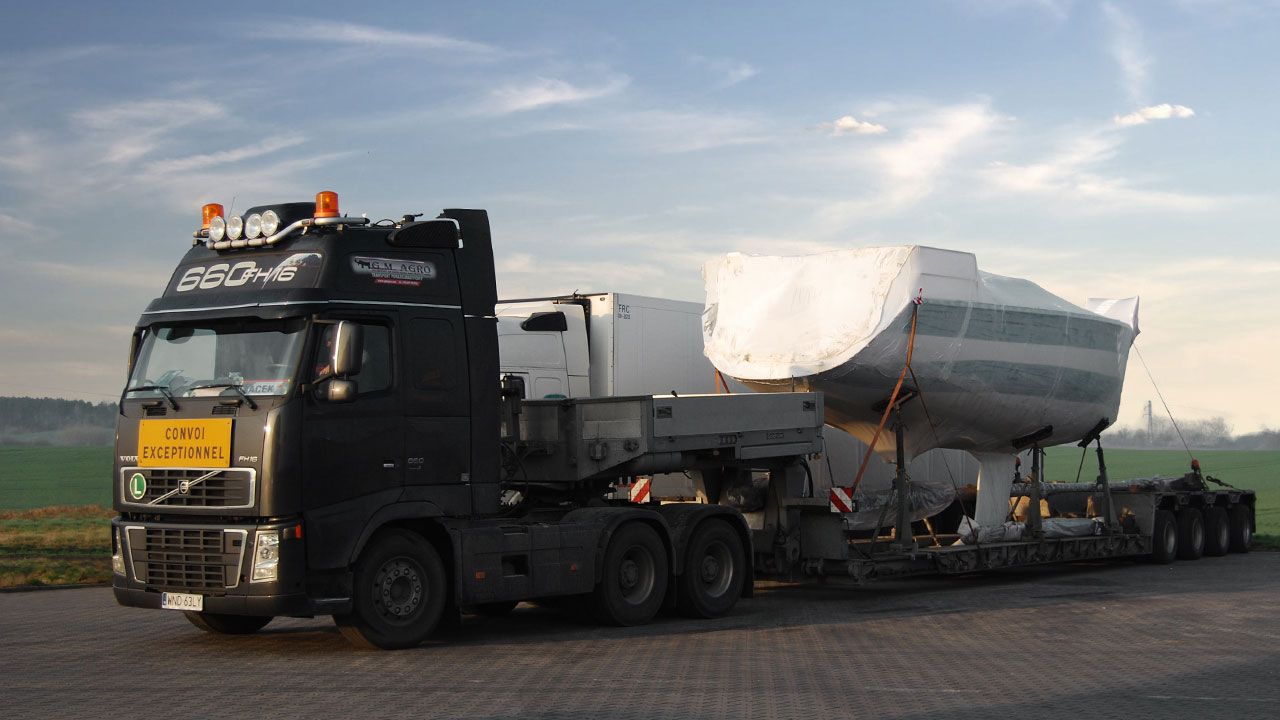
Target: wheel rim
pixel 636 575
pixel 1224 535
pixel 1197 536
pixel 398 589
pixel 716 570
pixel 1170 539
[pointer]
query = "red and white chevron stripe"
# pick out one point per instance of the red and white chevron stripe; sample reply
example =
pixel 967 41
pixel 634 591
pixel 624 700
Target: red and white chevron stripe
pixel 842 500
pixel 640 490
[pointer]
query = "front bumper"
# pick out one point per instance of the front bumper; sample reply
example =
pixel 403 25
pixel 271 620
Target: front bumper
pixel 211 560
pixel 292 605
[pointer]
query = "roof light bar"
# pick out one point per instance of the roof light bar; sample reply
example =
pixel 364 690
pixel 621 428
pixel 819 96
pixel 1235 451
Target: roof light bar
pixel 258 230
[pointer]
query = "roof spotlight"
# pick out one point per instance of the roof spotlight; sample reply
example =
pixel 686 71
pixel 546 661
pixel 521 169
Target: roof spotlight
pixel 217 228
pixel 270 223
pixel 235 227
pixel 253 226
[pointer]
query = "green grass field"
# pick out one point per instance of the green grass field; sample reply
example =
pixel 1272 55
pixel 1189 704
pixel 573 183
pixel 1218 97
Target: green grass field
pixel 54 516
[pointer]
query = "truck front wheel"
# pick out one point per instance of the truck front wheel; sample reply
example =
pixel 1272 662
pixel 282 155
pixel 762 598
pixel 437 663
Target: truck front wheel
pixel 399 593
pixel 228 624
pixel 714 571
pixel 634 577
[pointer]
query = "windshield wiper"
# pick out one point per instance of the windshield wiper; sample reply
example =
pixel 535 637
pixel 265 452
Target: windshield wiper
pixel 164 390
pixel 252 405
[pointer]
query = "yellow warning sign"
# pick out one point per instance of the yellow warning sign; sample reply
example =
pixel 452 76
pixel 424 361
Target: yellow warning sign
pixel 185 443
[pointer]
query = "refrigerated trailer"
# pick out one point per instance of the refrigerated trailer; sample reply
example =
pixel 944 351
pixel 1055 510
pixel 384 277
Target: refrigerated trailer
pixel 315 423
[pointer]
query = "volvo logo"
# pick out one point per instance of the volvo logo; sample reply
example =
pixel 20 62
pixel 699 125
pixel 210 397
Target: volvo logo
pixel 184 487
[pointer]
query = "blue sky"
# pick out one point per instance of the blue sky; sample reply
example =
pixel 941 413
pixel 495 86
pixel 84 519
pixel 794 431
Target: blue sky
pixel 1099 149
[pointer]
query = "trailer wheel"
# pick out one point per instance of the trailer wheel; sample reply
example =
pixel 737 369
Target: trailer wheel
pixel 228 624
pixel 713 571
pixel 1164 538
pixel 399 593
pixel 1241 521
pixel 1190 534
pixel 634 577
pixel 1217 531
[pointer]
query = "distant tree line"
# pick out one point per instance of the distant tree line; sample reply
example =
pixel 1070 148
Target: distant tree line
pixel 1211 434
pixel 53 421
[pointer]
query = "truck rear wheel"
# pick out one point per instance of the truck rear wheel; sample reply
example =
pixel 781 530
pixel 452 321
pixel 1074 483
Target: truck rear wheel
pixel 1241 520
pixel 399 593
pixel 1164 538
pixel 714 570
pixel 634 577
pixel 228 624
pixel 1217 531
pixel 1190 534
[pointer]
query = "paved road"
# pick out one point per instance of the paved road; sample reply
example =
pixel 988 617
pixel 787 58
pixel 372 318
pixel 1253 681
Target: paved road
pixel 1119 640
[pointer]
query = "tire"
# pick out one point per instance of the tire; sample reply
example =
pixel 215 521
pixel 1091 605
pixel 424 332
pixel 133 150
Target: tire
pixel 399 593
pixel 493 609
pixel 1164 538
pixel 1190 534
pixel 714 570
pixel 1217 531
pixel 228 624
pixel 634 577
pixel 1240 519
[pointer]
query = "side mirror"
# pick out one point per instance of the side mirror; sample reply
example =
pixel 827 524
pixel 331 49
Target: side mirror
pixel 340 391
pixel 348 349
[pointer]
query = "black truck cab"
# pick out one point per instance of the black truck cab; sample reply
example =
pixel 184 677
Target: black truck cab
pixel 234 399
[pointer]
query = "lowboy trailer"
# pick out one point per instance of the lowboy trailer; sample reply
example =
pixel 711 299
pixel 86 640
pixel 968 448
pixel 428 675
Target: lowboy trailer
pixel 314 424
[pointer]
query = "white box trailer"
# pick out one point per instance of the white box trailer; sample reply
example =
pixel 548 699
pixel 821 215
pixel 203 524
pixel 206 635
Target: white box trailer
pixel 604 345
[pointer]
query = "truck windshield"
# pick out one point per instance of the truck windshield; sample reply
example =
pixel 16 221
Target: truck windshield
pixel 259 357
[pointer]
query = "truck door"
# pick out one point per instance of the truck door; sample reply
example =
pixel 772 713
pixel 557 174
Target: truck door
pixel 437 400
pixel 353 449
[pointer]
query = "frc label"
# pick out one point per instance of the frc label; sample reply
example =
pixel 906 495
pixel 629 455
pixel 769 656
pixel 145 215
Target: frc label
pixel 185 443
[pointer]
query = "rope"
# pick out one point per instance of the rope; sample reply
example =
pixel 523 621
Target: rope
pixel 1162 402
pixel 722 385
pixel 893 399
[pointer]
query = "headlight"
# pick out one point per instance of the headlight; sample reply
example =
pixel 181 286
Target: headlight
pixel 253 226
pixel 117 550
pixel 217 229
pixel 235 227
pixel 266 556
pixel 270 223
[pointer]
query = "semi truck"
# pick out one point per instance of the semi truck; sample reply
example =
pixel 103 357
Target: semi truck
pixel 316 423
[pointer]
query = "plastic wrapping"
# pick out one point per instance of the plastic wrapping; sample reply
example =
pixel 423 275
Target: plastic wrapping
pixel 996 357
pixel 935 477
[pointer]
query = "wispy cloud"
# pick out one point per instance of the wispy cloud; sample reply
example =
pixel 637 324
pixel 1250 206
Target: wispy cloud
pixel 129 130
pixel 729 72
pixel 909 169
pixel 1129 51
pixel 1076 172
pixel 206 161
pixel 680 131
pixel 346 33
pixel 1163 111
pixel 544 92
pixel 849 125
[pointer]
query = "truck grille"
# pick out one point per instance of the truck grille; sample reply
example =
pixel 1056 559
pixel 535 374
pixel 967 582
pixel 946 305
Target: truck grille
pixel 230 488
pixel 168 558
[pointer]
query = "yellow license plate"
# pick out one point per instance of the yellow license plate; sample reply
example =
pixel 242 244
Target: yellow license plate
pixel 185 443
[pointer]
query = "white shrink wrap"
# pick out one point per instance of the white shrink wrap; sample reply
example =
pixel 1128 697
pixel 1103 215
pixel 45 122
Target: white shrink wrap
pixel 996 357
